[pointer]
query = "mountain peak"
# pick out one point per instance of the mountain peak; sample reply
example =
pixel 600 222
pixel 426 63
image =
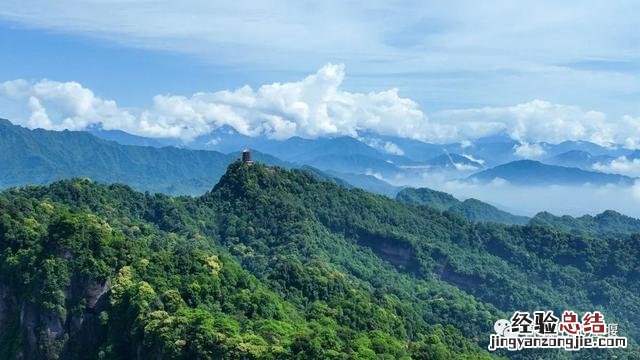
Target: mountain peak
pixel 531 172
pixel 243 179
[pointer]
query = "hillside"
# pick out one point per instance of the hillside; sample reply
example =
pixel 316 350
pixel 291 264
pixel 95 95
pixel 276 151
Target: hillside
pixel 275 263
pixel 530 172
pixel 40 157
pixel 471 209
pixel 608 222
pixel 424 196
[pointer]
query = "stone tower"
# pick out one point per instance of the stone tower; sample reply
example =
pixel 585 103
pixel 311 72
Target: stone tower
pixel 246 157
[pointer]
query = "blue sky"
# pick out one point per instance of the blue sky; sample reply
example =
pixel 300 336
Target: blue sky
pixel 454 56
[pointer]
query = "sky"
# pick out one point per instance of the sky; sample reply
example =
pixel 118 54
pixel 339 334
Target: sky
pixel 430 70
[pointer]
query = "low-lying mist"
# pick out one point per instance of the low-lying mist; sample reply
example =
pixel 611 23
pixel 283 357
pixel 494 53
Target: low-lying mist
pixel 529 200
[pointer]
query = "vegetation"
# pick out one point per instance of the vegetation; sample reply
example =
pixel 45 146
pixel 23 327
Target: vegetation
pixel 438 200
pixel 41 157
pixel 275 264
pixel 471 209
pixel 607 223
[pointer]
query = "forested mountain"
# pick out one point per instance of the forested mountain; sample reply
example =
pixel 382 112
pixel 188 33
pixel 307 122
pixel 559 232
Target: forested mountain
pixel 535 173
pixel 273 263
pixel 470 209
pixel 608 222
pixel 438 200
pixel 41 157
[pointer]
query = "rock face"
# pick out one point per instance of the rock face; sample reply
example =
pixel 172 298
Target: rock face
pixel 31 332
pixel 398 253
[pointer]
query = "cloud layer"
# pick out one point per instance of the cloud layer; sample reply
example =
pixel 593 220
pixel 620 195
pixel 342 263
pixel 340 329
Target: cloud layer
pixel 313 107
pixel 621 165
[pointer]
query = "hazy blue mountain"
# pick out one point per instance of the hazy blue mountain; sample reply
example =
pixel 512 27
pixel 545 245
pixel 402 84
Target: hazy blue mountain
pixel 125 138
pixel 41 157
pixel 578 158
pixel 351 181
pixel 226 139
pixel 367 182
pixel 454 161
pixel 413 149
pixel 530 172
pixel 634 155
pixel 608 222
pixel 341 154
pixel 586 146
pixel 471 209
pixel 322 147
pixel 354 164
pixel 321 175
pixel 494 150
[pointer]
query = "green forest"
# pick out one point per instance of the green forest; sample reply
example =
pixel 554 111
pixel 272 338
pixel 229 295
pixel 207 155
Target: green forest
pixel 278 264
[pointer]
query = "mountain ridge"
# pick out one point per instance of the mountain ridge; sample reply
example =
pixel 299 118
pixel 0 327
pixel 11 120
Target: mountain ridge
pixel 471 209
pixel 531 172
pixel 267 248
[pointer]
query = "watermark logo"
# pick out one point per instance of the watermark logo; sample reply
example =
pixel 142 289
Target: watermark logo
pixel 544 330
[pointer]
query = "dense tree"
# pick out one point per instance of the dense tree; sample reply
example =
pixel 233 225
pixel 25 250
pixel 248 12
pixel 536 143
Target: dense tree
pixel 277 264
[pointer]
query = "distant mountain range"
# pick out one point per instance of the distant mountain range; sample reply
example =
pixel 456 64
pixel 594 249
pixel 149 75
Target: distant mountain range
pixel 530 172
pixel 471 209
pixel 176 167
pixel 454 161
pixel 489 151
pixel 41 157
pixel 578 158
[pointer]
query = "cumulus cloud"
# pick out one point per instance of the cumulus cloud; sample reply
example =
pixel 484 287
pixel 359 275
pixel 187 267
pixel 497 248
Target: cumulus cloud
pixel 313 107
pixel 621 165
pixel 529 151
pixel 540 121
pixel 64 105
pixel 530 122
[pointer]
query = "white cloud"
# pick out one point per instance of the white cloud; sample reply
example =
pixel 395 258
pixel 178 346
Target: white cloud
pixel 454 52
pixel 57 105
pixel 313 107
pixel 392 148
pixel 470 157
pixel 465 167
pixel 621 165
pixel 635 190
pixel 529 151
pixel 539 121
pixel 528 122
pixel 385 146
